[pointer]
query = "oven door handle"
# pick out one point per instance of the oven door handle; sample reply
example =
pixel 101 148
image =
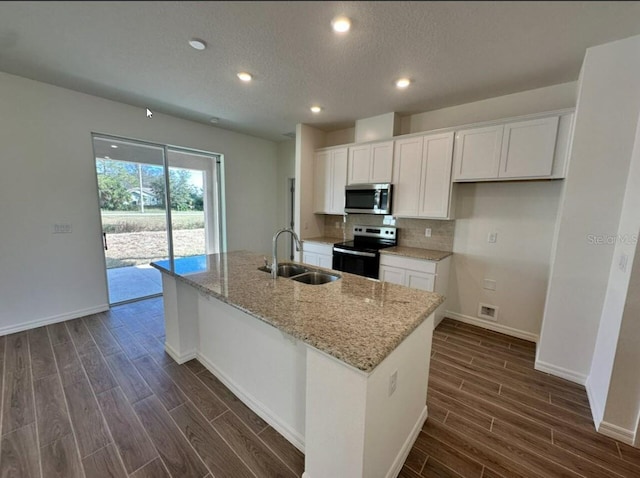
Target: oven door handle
pixel 354 253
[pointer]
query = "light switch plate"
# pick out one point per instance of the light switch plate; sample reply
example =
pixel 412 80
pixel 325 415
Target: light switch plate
pixel 489 284
pixel 492 237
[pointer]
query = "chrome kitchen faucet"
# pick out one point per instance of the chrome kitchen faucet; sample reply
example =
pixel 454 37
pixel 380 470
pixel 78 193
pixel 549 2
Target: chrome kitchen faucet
pixel 274 260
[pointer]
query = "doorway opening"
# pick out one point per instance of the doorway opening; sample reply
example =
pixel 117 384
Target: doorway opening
pixel 156 202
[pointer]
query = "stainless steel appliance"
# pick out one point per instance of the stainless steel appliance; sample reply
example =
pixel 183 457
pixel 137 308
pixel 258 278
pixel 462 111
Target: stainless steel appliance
pixel 368 198
pixel 361 256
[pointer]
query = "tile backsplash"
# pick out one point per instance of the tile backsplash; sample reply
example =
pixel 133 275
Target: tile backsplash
pixel 410 231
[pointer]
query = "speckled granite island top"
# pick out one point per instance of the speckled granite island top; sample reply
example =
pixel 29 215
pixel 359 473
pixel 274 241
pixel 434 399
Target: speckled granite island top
pixel 416 253
pixel 357 320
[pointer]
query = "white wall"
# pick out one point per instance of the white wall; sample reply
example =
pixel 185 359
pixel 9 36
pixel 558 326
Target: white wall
pixel 523 214
pixel 48 176
pixel 341 136
pixel 614 382
pixel 308 139
pixel 286 169
pixel 605 125
pixel 517 104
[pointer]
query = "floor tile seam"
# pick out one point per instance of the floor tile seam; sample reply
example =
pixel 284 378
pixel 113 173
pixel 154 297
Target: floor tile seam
pixel 66 404
pixel 229 444
pixel 215 431
pixel 95 398
pixel 486 446
pixel 275 453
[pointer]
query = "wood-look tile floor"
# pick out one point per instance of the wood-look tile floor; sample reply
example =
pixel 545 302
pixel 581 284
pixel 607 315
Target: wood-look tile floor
pixel 492 415
pixel 99 397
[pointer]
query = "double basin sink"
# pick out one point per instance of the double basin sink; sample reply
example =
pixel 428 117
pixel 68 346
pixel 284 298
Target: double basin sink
pixel 302 274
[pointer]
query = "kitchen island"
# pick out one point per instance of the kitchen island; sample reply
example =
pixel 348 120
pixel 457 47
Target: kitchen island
pixel 339 369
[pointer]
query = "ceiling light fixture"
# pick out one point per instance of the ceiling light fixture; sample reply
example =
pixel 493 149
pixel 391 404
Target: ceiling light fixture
pixel 316 109
pixel 214 120
pixel 114 146
pixel 197 44
pixel 403 83
pixel 107 157
pixel 244 76
pixel 341 24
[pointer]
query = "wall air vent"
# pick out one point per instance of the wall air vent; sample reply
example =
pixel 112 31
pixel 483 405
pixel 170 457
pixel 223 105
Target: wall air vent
pixel 486 311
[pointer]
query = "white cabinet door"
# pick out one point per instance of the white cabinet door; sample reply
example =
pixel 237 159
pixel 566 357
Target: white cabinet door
pixel 420 280
pixel 407 164
pixel 391 274
pixel 330 177
pixel 311 258
pixel 435 185
pixel 381 170
pixel 359 164
pixel 371 163
pixel 528 148
pixel 477 153
pixel 325 261
pixel 339 174
pixel 321 181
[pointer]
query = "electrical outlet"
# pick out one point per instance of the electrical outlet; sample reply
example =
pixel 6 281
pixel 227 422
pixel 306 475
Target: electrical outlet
pixel 427 232
pixel 337 224
pixel 393 382
pixel 62 228
pixel 492 237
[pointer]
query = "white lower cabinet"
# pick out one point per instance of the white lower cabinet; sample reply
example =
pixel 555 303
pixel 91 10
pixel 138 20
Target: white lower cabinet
pixel 317 254
pixel 432 276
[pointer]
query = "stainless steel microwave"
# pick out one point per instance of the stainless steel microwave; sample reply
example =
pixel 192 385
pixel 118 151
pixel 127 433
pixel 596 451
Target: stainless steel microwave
pixel 368 198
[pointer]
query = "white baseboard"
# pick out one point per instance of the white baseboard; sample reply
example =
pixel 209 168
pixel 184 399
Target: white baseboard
pixel 406 446
pixel 561 372
pixel 597 412
pixel 617 433
pixel 503 329
pixel 54 319
pixel 258 407
pixel 180 359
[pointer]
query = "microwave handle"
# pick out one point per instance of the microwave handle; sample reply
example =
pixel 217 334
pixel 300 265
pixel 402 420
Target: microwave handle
pixel 378 199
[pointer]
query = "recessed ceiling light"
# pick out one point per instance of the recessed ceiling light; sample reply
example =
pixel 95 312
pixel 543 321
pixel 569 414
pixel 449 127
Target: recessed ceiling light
pixel 107 157
pixel 197 44
pixel 341 24
pixel 244 76
pixel 214 120
pixel 316 109
pixel 403 82
pixel 114 146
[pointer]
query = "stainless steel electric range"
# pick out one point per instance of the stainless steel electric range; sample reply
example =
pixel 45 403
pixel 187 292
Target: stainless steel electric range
pixel 362 255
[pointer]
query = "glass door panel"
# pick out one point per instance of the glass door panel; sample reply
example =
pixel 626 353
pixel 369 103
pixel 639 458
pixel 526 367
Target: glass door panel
pixel 131 183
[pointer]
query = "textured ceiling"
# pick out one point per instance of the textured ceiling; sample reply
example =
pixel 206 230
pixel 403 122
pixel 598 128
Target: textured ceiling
pixel 455 52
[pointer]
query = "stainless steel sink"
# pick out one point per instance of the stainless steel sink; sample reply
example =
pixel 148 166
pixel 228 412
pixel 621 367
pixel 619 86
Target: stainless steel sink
pixel 316 278
pixel 302 274
pixel 286 270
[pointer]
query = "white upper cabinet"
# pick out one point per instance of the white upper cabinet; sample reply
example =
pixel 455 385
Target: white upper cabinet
pixel 435 185
pixel 516 150
pixel 330 176
pixel 371 163
pixel 528 147
pixel 407 169
pixel 477 153
pixel 422 176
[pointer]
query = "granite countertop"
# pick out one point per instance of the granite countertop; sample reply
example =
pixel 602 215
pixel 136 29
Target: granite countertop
pixel 360 321
pixel 416 253
pixel 323 240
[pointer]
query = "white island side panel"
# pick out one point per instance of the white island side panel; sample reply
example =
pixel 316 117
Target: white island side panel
pixel 265 367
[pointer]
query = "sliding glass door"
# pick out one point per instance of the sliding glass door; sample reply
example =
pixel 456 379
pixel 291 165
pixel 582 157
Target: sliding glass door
pixel 143 221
